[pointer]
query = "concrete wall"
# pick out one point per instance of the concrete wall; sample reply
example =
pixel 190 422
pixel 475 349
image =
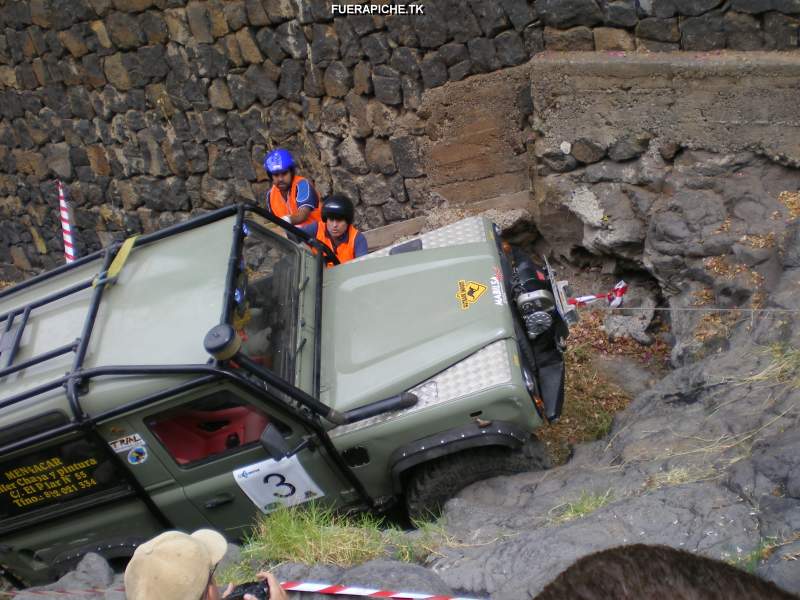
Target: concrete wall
pixel 725 102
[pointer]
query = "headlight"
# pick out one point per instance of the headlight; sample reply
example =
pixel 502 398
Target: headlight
pixel 526 375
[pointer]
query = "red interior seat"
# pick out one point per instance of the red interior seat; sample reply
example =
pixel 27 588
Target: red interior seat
pixel 194 435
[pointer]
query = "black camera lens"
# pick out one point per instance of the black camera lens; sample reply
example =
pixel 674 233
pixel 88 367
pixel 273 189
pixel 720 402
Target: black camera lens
pixel 257 589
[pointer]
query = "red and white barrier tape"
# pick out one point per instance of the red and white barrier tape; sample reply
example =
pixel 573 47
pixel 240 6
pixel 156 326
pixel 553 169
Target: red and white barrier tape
pixel 326 588
pixel 289 586
pixel 66 225
pixel 614 297
pixel 33 592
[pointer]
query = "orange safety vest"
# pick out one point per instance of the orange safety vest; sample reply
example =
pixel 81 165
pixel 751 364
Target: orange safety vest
pixel 280 207
pixel 344 251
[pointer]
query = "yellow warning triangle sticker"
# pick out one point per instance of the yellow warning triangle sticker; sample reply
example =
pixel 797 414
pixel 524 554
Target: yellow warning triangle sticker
pixel 469 292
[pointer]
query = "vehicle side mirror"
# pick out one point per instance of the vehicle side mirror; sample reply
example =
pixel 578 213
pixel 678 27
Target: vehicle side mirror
pixel 274 443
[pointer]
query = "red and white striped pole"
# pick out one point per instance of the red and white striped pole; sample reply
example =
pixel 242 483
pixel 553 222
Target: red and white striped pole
pixel 66 225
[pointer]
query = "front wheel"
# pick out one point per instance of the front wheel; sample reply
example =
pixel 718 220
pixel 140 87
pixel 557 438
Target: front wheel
pixel 431 484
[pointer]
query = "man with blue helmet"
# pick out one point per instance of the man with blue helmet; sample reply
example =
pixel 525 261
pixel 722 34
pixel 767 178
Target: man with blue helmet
pixel 292 197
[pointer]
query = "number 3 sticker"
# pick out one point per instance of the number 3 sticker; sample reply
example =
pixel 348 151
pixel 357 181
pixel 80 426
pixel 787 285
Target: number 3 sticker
pixel 282 483
pixel 270 484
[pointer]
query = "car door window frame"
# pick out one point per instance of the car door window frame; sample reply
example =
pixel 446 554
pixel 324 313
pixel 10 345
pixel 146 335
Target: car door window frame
pixel 294 427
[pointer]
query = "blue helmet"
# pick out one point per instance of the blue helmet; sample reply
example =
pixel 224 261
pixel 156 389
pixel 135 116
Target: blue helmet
pixel 278 160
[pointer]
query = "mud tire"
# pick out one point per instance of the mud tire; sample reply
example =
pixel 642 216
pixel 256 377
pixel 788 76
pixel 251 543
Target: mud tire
pixel 431 484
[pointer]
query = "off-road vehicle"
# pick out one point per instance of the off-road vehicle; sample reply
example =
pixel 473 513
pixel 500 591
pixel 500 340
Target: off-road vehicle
pixel 201 374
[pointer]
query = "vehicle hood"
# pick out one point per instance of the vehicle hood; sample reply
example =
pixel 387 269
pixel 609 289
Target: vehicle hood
pixel 389 323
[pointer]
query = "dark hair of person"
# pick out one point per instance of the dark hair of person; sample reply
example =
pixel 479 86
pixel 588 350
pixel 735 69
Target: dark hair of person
pixel 643 572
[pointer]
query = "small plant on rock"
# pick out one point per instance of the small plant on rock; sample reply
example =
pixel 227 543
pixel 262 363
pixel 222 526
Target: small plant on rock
pixel 680 475
pixel 703 297
pixel 583 506
pixel 784 367
pixel 791 200
pixel 767 546
pixel 759 241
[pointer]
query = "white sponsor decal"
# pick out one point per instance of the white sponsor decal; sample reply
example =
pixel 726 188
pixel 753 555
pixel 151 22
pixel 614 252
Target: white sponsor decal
pixel 498 293
pixel 124 444
pixel 137 455
pixel 271 484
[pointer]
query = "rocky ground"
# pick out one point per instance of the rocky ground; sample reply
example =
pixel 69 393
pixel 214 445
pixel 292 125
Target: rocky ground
pixel 705 460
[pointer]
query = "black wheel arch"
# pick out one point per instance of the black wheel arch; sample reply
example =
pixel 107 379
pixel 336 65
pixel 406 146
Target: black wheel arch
pixel 451 441
pixel 110 549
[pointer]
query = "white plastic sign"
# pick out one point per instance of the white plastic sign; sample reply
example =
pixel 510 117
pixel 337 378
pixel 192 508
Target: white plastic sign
pixel 271 484
pixel 124 444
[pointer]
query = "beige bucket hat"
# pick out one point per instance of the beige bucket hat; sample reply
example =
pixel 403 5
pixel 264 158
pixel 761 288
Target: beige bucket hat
pixel 174 565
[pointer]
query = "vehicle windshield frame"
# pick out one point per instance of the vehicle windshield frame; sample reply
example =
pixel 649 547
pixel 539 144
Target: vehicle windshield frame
pixel 235 261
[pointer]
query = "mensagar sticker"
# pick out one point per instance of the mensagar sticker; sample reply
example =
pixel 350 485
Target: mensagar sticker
pixel 70 470
pixel 49 478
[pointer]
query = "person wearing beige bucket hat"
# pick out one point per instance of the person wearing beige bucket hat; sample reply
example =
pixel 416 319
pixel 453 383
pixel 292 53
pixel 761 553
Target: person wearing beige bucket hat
pixel 178 566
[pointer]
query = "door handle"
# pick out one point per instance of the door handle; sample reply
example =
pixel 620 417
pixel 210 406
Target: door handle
pixel 218 501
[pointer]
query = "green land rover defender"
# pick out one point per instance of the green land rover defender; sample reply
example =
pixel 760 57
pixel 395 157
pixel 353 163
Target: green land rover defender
pixel 215 370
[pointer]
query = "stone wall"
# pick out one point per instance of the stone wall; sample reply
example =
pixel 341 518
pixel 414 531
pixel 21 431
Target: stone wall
pixel 475 143
pixel 151 110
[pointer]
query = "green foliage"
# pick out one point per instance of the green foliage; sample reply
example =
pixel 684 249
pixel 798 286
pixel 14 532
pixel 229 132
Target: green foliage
pixel 750 561
pixel 313 534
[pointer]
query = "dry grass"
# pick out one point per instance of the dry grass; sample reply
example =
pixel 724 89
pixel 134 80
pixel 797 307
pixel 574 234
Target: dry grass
pixel 577 509
pixel 725 226
pixel 783 370
pixel 722 267
pixel 710 447
pixel 784 367
pixel 759 241
pixel 758 299
pixel 591 399
pixel 679 476
pixel 791 200
pixel 719 265
pixel 715 325
pixel 756 279
pixel 703 297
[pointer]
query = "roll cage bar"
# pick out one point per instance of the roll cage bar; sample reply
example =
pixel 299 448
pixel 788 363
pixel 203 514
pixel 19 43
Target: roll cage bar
pixel 246 377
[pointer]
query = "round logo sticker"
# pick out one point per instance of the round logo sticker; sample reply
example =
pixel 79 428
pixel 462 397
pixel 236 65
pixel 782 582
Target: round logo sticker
pixel 137 455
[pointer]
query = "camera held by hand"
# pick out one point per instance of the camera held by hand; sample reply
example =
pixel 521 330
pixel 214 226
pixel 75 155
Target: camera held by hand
pixel 257 589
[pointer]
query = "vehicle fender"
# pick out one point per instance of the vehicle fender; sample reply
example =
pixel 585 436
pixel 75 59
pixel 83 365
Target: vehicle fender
pixel 474 435
pixel 111 548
